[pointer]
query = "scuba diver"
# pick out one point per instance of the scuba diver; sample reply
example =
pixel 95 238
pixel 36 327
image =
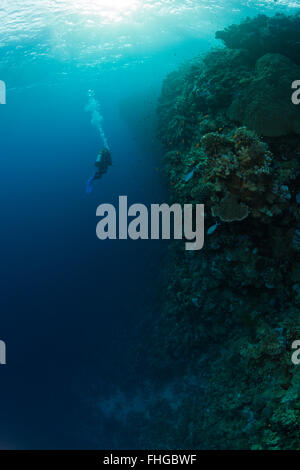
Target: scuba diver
pixel 102 163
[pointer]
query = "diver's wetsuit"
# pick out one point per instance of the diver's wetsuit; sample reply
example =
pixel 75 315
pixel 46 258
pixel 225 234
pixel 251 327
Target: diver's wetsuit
pixel 102 163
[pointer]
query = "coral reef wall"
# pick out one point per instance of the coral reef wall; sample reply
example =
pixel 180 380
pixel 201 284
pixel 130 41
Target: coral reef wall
pixel 231 311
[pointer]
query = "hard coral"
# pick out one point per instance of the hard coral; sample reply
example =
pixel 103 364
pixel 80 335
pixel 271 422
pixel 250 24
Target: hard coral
pixel 241 165
pixel 262 34
pixel 265 104
pixel 214 144
pixel 230 210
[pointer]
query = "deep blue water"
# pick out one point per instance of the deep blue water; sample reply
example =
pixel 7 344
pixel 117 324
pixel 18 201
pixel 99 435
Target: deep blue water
pixel 68 301
pixel 66 293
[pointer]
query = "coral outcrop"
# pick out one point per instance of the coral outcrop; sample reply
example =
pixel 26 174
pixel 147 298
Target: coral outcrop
pixel 264 105
pixel 230 210
pixel 261 35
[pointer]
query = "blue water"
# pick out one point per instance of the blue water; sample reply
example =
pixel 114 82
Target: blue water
pixel 70 303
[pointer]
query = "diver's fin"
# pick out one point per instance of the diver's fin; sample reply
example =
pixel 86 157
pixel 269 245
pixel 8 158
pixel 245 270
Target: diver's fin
pixel 89 185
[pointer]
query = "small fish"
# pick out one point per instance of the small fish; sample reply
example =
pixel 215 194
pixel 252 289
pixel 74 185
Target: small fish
pixel 189 176
pixel 213 228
